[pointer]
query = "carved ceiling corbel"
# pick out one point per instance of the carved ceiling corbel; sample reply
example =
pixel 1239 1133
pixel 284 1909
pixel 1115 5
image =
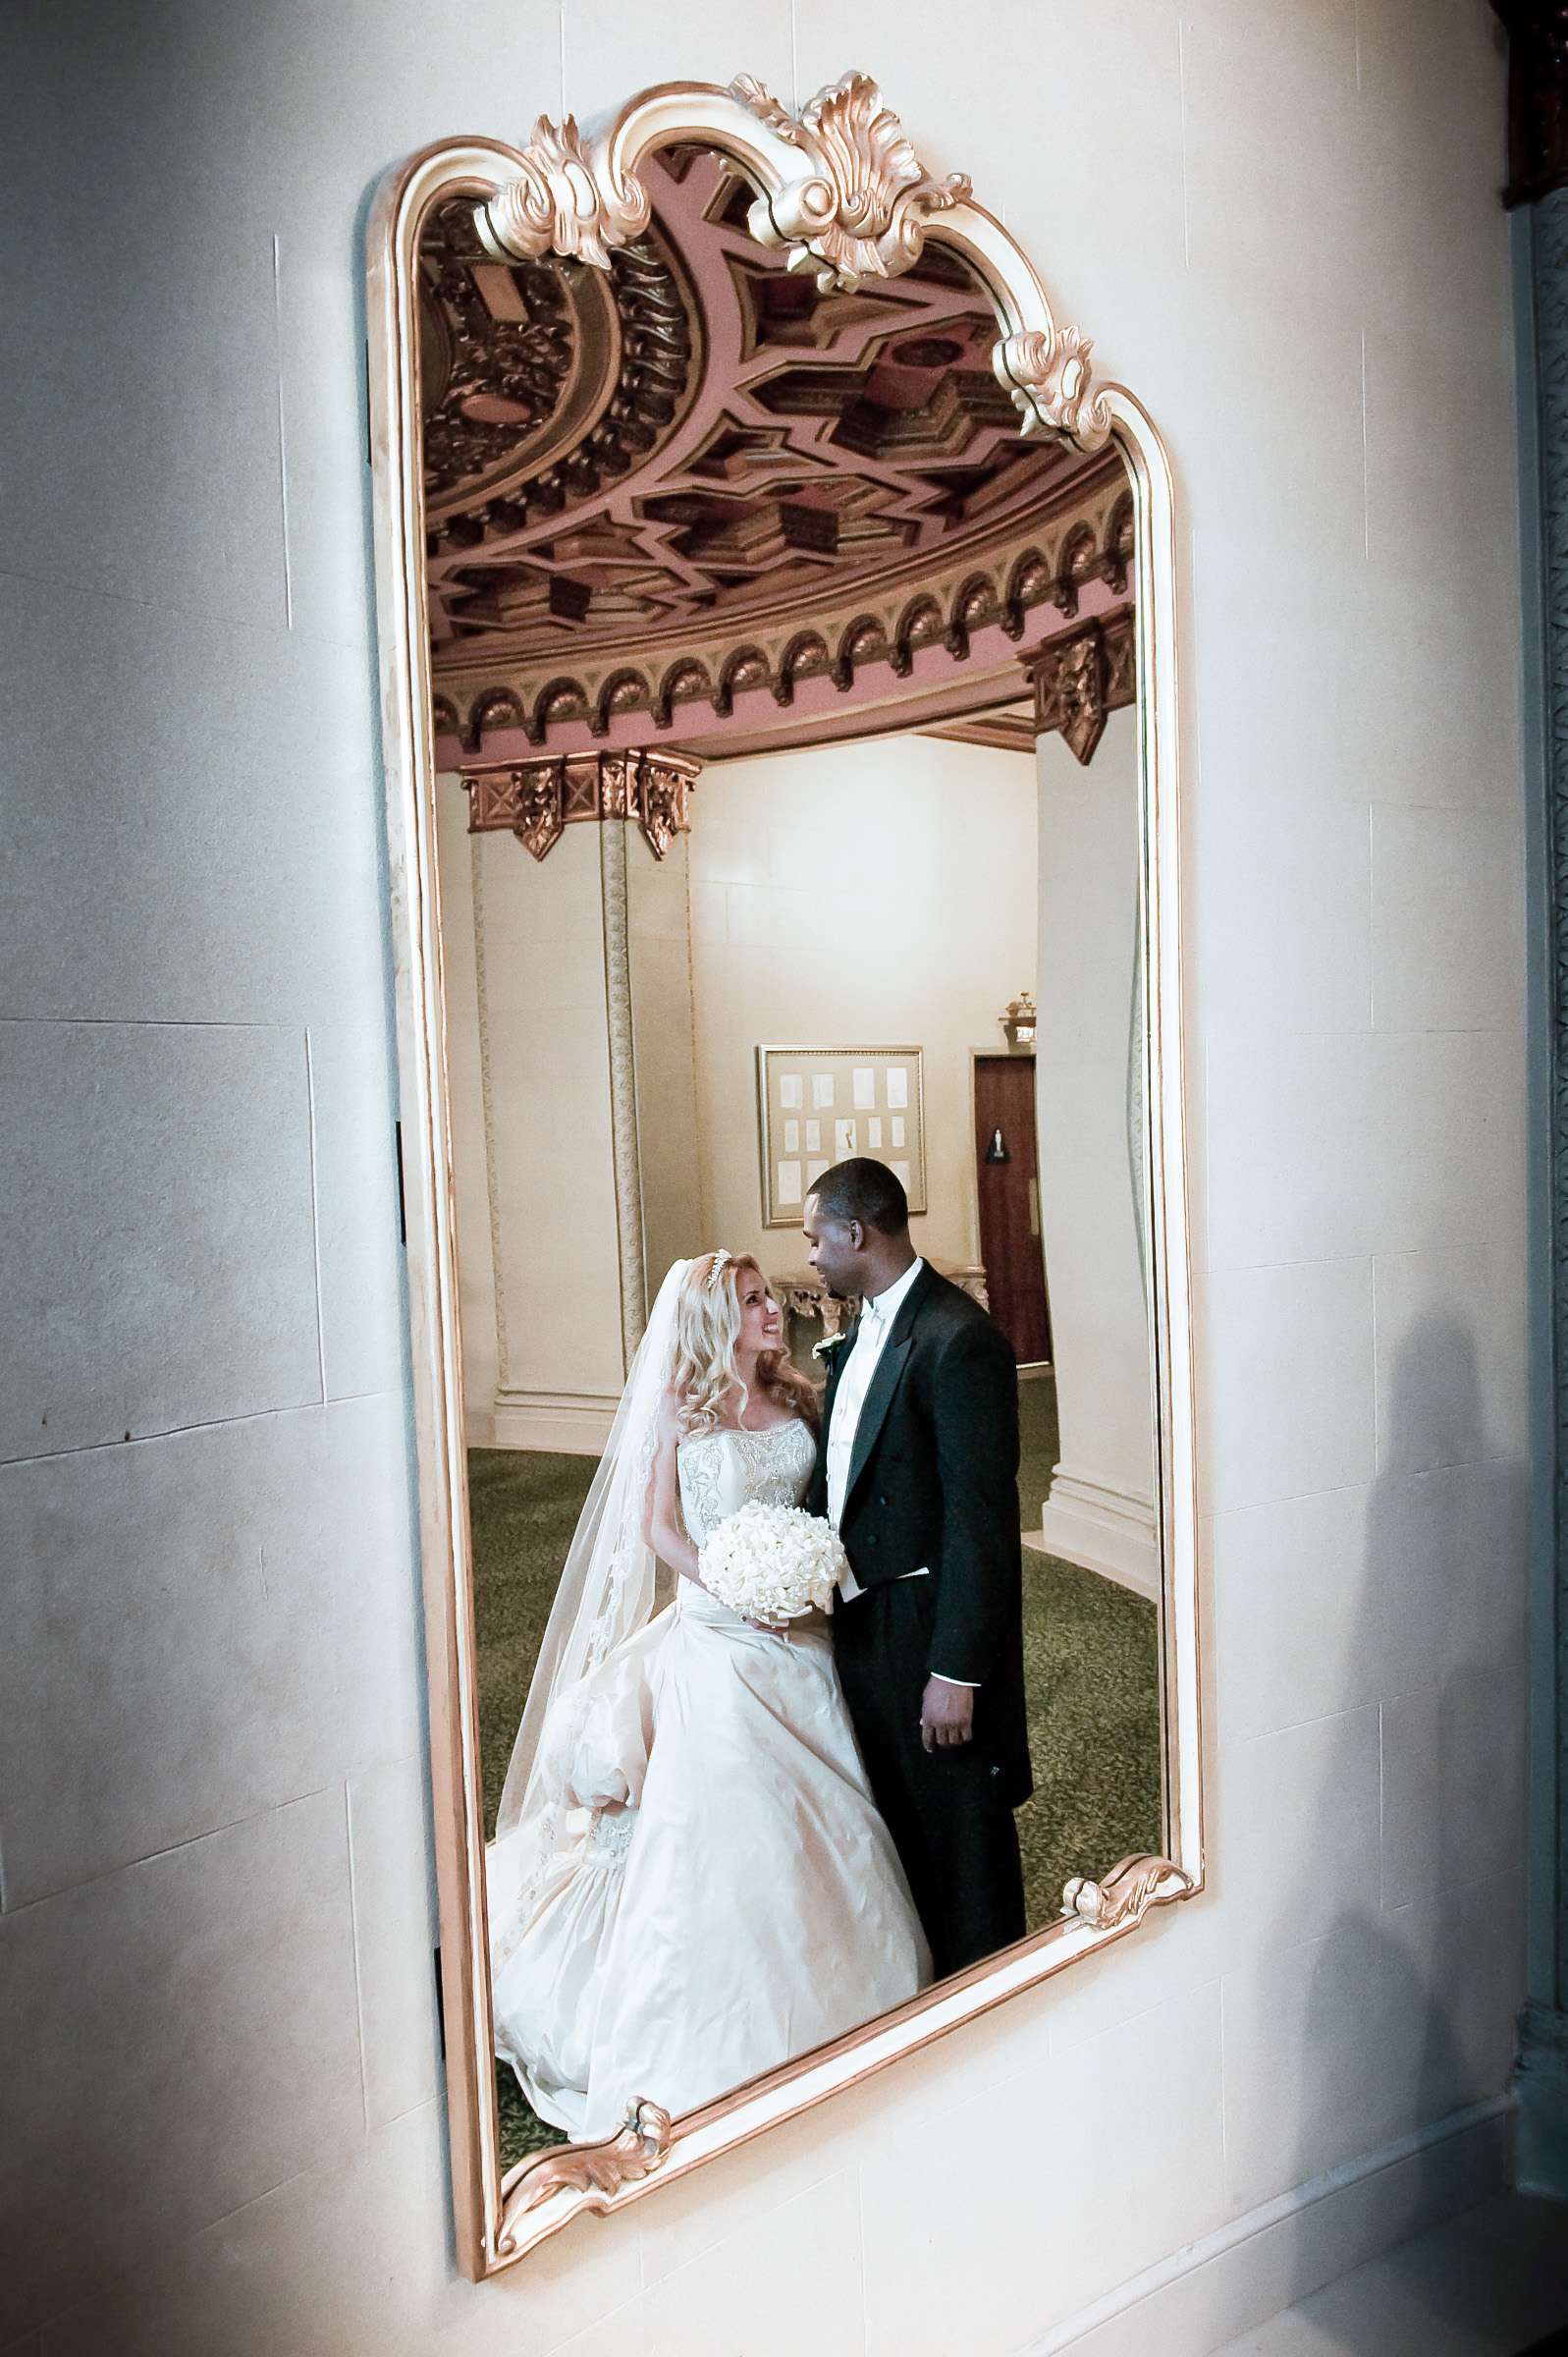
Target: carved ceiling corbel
pixel 664 786
pixel 537 800
pixel 528 797
pixel 1081 678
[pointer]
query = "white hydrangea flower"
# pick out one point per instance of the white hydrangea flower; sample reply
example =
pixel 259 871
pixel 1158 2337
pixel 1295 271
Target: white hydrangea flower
pixel 772 1563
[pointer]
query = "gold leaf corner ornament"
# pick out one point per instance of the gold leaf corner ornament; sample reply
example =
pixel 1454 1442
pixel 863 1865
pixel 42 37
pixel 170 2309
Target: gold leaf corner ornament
pixel 1051 381
pixel 597 2169
pixel 566 201
pixel 1132 1886
pixel 862 210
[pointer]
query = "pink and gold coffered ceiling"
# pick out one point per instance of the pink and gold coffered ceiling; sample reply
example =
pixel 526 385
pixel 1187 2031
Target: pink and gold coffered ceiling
pixel 694 499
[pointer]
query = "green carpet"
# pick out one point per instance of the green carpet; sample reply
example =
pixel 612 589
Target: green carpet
pixel 1090 1650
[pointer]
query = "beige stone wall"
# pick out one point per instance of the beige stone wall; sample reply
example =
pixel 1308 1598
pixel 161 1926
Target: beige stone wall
pixel 859 894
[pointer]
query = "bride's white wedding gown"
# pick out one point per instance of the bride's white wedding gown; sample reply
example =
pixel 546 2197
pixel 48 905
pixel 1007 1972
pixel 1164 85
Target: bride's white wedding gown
pixel 729 1897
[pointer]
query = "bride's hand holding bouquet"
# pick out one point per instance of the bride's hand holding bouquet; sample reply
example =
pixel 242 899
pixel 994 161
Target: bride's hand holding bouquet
pixel 772 1564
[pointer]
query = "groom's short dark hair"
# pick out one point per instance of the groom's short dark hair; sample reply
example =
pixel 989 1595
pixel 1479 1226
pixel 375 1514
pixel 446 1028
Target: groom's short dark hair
pixel 864 1190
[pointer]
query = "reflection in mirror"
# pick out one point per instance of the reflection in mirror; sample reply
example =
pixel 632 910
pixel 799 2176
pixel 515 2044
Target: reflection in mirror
pixel 790 848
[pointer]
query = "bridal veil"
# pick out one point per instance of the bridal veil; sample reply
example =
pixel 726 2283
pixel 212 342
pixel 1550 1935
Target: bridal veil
pixel 605 1598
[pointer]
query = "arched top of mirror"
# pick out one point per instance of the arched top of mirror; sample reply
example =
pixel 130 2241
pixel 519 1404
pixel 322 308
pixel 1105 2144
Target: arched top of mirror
pixel 723 450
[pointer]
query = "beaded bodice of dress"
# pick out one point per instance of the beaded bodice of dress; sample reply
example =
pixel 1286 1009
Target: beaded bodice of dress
pixel 722 1470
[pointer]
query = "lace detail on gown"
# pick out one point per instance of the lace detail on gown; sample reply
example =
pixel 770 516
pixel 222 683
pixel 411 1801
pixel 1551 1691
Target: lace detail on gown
pixel 725 1470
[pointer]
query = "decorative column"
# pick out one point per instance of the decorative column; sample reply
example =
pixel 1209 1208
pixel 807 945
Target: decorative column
pixel 1089 1105
pixel 621 1035
pixel 1537 189
pixel 537 800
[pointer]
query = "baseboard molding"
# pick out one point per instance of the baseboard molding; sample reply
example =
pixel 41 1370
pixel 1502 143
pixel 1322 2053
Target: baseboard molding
pixel 1084 1521
pixel 566 1423
pixel 478 1425
pixel 1236 2278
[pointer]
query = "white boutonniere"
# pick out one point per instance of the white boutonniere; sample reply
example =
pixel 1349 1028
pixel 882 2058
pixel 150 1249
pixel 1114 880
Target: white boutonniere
pixel 829 1341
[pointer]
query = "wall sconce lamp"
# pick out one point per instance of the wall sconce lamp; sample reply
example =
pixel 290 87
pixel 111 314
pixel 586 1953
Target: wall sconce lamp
pixel 1019 1025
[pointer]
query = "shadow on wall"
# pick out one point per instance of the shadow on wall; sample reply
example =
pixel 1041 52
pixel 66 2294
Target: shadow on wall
pixel 1403 2015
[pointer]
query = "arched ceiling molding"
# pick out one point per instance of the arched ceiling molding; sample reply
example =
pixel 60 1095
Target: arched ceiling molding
pixel 919 624
pixel 840 193
pixel 865 640
pixel 1027 590
pixel 747 668
pixel 683 683
pixel 805 657
pixel 811 439
pixel 625 691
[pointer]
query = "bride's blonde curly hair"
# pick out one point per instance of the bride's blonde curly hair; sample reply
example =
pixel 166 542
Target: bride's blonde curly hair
pixel 707 1329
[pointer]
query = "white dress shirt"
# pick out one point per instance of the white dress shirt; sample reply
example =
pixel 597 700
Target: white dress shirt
pixel 877 1315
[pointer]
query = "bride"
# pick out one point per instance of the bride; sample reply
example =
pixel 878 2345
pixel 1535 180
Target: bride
pixel 689 1883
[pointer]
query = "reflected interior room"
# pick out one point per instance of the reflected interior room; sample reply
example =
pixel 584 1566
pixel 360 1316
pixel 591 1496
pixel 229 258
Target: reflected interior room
pixel 789 808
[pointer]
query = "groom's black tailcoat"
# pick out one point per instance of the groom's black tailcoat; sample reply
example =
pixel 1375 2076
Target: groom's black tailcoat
pixel 933 1488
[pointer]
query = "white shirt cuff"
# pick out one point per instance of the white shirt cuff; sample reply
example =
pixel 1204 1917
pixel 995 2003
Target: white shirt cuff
pixel 973 1683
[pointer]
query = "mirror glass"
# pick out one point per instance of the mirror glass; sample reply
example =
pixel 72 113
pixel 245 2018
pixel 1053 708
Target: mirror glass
pixel 790 854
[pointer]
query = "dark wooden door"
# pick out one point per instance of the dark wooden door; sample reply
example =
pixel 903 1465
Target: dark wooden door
pixel 1007 1173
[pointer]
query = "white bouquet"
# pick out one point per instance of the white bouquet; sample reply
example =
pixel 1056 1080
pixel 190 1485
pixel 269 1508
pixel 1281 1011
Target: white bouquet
pixel 772 1563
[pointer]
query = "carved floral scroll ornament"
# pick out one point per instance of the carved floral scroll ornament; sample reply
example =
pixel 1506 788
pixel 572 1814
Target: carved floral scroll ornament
pixel 564 201
pixel 1050 374
pixel 842 194
pixel 597 2169
pixel 1126 1895
pixel 863 211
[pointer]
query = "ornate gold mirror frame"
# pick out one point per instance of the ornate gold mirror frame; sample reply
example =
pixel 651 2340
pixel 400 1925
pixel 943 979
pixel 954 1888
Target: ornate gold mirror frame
pixel 839 190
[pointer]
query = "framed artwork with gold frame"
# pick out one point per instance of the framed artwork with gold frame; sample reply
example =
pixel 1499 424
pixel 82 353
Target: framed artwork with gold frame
pixel 818 1106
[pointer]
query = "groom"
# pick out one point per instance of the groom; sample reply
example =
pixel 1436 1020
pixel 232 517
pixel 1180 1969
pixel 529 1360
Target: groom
pixel 917 1471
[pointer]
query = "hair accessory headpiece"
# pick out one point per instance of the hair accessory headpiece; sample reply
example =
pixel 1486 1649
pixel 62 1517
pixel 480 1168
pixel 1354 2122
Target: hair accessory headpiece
pixel 711 1283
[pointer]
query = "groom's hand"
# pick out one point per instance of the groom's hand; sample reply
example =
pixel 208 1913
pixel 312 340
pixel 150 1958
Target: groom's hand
pixel 946 1715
